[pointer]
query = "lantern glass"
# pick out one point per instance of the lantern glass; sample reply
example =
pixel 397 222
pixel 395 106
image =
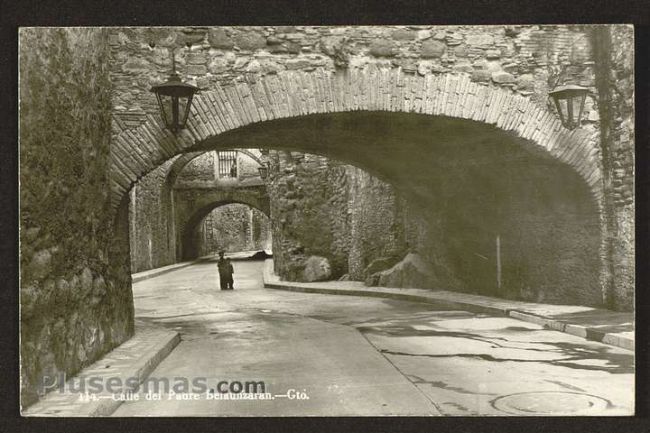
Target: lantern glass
pixel 175 100
pixel 165 104
pixel 184 108
pixel 264 172
pixel 570 102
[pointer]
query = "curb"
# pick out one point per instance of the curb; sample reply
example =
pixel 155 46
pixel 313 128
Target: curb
pixel 587 333
pixel 151 273
pixel 388 295
pixel 108 406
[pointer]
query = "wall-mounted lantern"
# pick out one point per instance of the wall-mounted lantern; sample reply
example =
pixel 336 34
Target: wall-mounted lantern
pixel 264 171
pixel 570 102
pixel 174 99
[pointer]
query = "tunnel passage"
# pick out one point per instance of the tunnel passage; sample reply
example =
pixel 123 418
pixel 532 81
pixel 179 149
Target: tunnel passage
pixel 229 226
pixel 162 201
pixel 411 131
pixel 471 184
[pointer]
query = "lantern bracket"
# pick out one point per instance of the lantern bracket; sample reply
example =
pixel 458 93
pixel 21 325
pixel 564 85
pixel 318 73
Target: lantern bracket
pixel 170 95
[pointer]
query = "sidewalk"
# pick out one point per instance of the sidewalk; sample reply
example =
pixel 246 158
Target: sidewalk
pixel 609 327
pixel 150 273
pixel 136 357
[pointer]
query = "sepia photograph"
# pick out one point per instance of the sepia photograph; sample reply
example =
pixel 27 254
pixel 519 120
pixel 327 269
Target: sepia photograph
pixel 327 221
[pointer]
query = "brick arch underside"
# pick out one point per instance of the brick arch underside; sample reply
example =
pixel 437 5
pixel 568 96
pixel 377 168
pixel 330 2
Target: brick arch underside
pixel 292 94
pixel 200 211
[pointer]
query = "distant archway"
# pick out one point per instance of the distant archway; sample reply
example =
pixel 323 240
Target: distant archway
pixel 189 247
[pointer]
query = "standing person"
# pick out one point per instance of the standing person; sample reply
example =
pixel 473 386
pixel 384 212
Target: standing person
pixel 223 265
pixel 229 272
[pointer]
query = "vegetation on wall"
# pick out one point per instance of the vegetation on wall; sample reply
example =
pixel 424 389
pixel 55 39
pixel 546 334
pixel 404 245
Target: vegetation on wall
pixel 76 301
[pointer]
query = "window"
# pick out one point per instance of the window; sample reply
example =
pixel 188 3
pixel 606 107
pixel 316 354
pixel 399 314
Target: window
pixel 227 163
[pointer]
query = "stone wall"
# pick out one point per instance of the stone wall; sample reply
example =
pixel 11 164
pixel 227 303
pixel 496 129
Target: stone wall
pixel 526 59
pixel 386 226
pixel 243 69
pixel 546 222
pixel 152 225
pixel 75 288
pixel 323 208
pixel 615 83
pixel 201 168
pixel 378 222
pixel 232 228
pixel 203 225
pixel 309 213
pixel 204 168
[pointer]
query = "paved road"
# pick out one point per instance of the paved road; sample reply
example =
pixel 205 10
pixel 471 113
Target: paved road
pixel 367 356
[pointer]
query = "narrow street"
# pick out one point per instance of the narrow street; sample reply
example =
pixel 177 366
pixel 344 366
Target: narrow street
pixel 423 220
pixel 366 356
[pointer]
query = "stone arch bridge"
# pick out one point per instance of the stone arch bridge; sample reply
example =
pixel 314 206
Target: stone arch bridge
pixel 489 81
pixel 324 112
pixel 294 94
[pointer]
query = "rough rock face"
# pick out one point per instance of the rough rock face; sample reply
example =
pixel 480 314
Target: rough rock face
pixel 317 269
pixel 370 274
pixel 412 271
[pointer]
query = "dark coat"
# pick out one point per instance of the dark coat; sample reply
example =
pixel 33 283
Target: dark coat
pixel 225 267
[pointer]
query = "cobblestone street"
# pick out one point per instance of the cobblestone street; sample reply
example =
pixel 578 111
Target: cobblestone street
pixel 365 356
